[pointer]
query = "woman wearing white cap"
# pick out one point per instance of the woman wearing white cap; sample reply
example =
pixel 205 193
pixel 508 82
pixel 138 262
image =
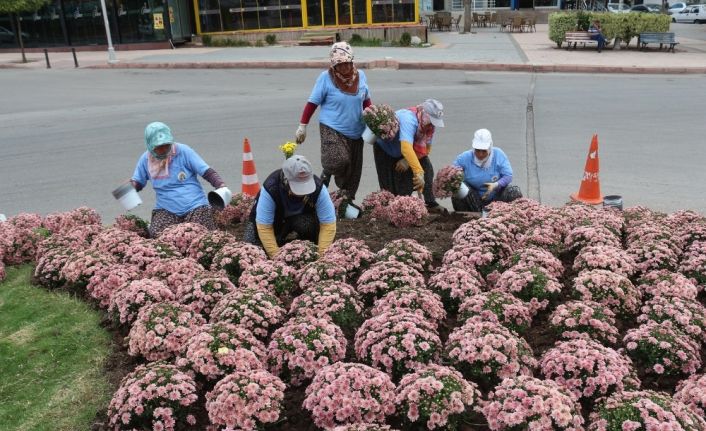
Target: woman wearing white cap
pixel 292 199
pixel 403 163
pixel 173 169
pixel 342 92
pixel 487 173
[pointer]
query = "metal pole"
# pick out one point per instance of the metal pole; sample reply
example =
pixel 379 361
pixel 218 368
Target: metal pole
pixel 46 57
pixel 111 52
pixel 73 51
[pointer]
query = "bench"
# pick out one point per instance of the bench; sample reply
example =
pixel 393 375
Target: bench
pixel 661 38
pixel 576 37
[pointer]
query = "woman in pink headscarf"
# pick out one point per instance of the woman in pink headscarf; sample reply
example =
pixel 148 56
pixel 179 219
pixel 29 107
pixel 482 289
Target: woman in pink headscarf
pixel 342 93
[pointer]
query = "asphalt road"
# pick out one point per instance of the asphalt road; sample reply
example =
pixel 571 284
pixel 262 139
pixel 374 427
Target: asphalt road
pixel 67 138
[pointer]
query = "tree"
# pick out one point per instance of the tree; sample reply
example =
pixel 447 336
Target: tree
pixel 467 18
pixel 14 8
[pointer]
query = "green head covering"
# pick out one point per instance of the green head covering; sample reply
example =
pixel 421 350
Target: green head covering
pixel 157 134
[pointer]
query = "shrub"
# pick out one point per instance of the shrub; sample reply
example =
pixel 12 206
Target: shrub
pixel 182 235
pixel 665 283
pixel 49 267
pixel 114 241
pixel 604 257
pixel 161 330
pixel 77 239
pixel 338 300
pixel 559 24
pixel 20 243
pixel 583 236
pixel 492 235
pixel 662 349
pixel 454 284
pixel 524 402
pixel 610 289
pixel 487 352
pixel 479 258
pixel 246 400
pixel 204 247
pixel 532 284
pixel 353 254
pixel 271 39
pixel 205 291
pixel 387 276
pixel 499 307
pixel 322 270
pixel 693 264
pixel 235 257
pixel 272 276
pixel 132 223
pixel 447 181
pixel 81 266
pixel 105 282
pixel 643 410
pixel 587 369
pixel 436 397
pixel 154 396
pixel 237 211
pixel 251 309
pixel 297 253
pixel 405 39
pixel 407 211
pixel 652 256
pixel 692 392
pixel 145 253
pixel 580 319
pixel 375 205
pixel 687 315
pixel 407 251
pixel 304 345
pixel 420 301
pixel 356 38
pixel 175 272
pixel 218 349
pixel 344 393
pixel 535 256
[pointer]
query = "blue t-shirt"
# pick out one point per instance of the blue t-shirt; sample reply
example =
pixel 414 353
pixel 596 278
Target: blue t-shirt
pixel 265 212
pixel 340 111
pixel 499 170
pixel 408 128
pixel 181 192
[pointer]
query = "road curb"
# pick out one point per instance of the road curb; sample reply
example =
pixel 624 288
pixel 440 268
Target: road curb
pixel 392 64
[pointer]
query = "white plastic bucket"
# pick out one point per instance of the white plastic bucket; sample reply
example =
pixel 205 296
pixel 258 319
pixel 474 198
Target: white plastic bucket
pixel 2 218
pixel 219 198
pixel 462 191
pixel 127 196
pixel 614 201
pixel 368 136
pixel 352 212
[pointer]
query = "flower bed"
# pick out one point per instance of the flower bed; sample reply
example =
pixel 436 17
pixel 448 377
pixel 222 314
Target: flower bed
pixel 175 272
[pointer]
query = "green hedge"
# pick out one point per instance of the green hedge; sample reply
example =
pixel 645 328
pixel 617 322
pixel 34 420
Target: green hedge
pixel 622 25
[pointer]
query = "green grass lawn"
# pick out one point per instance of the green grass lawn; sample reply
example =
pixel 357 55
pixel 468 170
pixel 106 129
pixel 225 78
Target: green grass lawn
pixel 52 351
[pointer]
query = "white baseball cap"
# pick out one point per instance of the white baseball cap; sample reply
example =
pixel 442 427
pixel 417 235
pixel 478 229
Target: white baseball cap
pixel 299 174
pixel 435 110
pixel 482 139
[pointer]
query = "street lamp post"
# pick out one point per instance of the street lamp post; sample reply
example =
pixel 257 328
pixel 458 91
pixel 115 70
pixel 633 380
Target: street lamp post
pixel 111 51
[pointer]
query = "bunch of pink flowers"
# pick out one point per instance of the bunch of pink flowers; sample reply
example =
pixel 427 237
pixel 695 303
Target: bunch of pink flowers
pixel 692 392
pixel 114 241
pixel 524 402
pixel 407 251
pixel 321 270
pixel 613 259
pixel 580 319
pixel 107 281
pixel 338 300
pixel 447 181
pixel 692 233
pixel 132 223
pixel 648 410
pixel 156 396
pixel 693 264
pixel 480 258
pixel 376 204
pixel 454 284
pixel 352 253
pixel 499 307
pixel 204 292
pixel 666 283
pixel 297 253
pixel 81 265
pixel 237 211
pixel 276 277
pixel 487 352
pixel 423 302
pixel 687 315
pixel 387 276
pixel 126 302
pixel 304 345
pixel 610 289
pixel 491 234
pixel 533 284
pixel 245 400
pixel 255 310
pixel 63 222
pixel 587 369
pixel 579 214
pixel 21 242
pixel 161 330
pixel 536 256
pixel 26 221
pixel 382 121
pixel 204 247
pixel 235 257
pixel 175 272
pixel 407 211
pixel 218 349
pixel 182 235
pixel 77 239
pixel 436 397
pixel 663 349
pixel 583 236
pixel 345 393
pixel 48 270
pixel 146 252
pixel 544 236
pixel 650 256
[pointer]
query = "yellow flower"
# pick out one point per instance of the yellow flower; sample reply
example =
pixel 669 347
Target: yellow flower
pixel 288 148
pixel 223 350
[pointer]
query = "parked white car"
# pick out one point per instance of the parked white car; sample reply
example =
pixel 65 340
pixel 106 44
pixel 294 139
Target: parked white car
pixel 615 8
pixel 695 14
pixel 676 8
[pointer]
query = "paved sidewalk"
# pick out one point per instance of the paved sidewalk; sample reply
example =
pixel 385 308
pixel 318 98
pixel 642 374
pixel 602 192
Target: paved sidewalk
pixel 484 49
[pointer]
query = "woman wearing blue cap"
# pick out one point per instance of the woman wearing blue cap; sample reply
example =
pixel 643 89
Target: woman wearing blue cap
pixel 173 169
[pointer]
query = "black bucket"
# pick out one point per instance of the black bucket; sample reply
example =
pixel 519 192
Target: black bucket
pixel 613 201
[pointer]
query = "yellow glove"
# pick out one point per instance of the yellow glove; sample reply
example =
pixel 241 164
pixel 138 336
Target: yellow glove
pixel 418 182
pixel 327 231
pixel 401 165
pixel 267 237
pixel 411 157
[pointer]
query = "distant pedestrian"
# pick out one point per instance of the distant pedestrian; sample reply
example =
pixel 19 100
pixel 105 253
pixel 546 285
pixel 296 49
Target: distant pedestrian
pixel 173 169
pixel 597 34
pixel 488 174
pixel 342 92
pixel 403 163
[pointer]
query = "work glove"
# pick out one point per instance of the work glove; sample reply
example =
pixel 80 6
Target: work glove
pixel 300 134
pixel 418 182
pixel 490 188
pixel 402 165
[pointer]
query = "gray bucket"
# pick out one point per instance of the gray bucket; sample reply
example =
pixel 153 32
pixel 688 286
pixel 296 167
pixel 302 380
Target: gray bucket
pixel 613 201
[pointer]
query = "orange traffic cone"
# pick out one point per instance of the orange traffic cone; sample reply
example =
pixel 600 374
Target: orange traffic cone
pixel 590 190
pixel 251 185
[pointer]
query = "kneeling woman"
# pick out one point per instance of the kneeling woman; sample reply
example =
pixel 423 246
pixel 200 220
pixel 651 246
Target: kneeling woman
pixel 488 174
pixel 292 200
